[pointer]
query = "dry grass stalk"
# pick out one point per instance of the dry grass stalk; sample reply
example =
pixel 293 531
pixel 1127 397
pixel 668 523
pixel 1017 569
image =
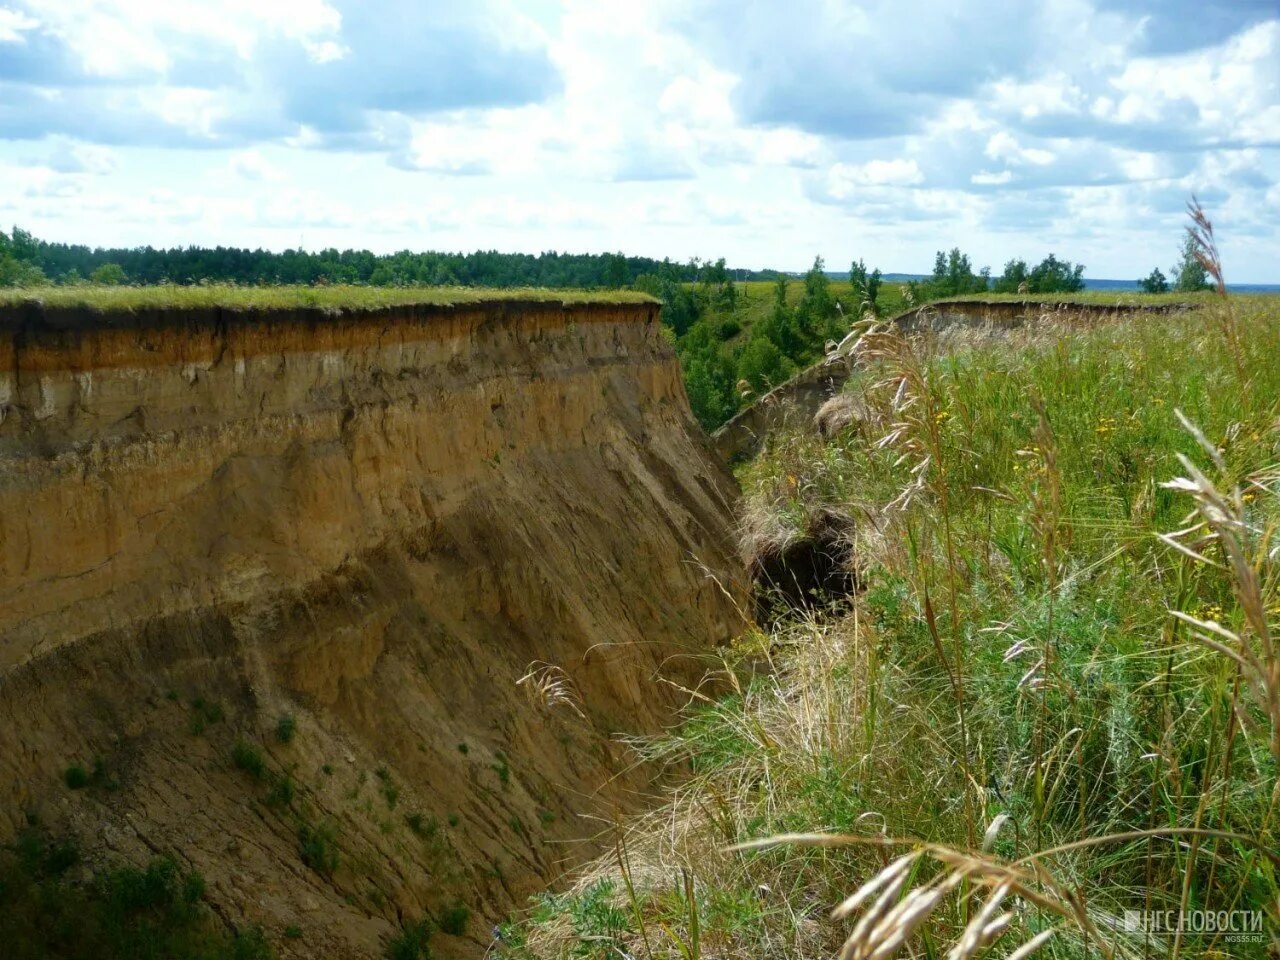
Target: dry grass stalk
pixel 1224 522
pixel 1205 250
pixel 549 687
pixel 892 911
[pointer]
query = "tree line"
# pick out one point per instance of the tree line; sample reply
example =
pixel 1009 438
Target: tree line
pixel 28 261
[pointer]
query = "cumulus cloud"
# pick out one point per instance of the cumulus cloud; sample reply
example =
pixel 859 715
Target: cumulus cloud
pixel 844 178
pixel 748 121
pixel 241 72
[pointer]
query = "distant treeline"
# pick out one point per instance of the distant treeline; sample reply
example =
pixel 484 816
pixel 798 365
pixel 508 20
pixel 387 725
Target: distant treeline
pixel 26 260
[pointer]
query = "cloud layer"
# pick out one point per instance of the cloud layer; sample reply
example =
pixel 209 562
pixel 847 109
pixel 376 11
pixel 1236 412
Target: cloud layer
pixel 761 132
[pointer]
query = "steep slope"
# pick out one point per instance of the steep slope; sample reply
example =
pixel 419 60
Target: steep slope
pixel 216 524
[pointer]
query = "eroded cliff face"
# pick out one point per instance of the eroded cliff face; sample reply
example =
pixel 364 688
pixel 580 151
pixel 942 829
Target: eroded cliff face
pixel 373 523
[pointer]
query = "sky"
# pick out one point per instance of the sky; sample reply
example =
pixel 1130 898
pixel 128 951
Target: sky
pixel 767 133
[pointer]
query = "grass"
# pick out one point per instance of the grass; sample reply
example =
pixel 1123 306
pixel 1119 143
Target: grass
pixel 124 299
pixel 1100 297
pixel 1054 714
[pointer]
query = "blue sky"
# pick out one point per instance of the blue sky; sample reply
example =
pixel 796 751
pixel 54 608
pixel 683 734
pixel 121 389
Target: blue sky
pixel 766 133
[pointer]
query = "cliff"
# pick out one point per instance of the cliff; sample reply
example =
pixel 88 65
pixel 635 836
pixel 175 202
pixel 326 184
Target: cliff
pixel 334 540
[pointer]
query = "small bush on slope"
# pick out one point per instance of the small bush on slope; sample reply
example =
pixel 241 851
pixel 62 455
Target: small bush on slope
pixel 123 912
pixel 1013 656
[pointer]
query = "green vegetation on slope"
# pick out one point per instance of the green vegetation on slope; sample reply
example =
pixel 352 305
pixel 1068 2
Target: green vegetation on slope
pixel 1011 667
pixel 737 341
pixel 48 912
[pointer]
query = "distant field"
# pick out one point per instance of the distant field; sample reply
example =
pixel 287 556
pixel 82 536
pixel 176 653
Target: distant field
pixel 128 298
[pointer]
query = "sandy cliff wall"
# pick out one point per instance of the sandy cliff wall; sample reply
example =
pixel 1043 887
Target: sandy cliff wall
pixel 373 522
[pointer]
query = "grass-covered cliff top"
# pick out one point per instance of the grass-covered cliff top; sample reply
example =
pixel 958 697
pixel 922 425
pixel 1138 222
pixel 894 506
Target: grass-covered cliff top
pixel 1089 297
pixel 173 297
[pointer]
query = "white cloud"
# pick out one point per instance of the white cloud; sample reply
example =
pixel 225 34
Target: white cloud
pixel 14 25
pixel 1004 146
pixel 252 165
pixel 844 178
pixel 684 127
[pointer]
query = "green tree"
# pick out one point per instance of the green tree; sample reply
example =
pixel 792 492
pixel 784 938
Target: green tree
pixel 815 313
pixel 1014 276
pixel 717 286
pixel 763 365
pixel 19 273
pixel 866 286
pixel 16 253
pixel 1154 282
pixel 952 276
pixel 1189 273
pixel 615 271
pixel 111 274
pixel 709 382
pixel 1052 275
pixel 781 326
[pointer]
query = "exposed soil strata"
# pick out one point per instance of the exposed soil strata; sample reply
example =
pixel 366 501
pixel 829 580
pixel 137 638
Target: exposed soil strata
pixel 797 401
pixel 372 522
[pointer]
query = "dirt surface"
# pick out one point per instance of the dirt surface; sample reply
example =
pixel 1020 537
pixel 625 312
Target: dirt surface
pixel 372 525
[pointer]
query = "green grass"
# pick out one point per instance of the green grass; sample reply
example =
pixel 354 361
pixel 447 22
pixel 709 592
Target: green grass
pixel 1011 654
pixel 123 299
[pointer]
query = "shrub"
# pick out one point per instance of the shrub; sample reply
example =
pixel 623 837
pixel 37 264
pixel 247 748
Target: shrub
pixel 412 942
pixel 319 848
pixel 453 920
pixel 424 827
pixel 76 777
pixel 282 791
pixel 286 727
pixel 248 758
